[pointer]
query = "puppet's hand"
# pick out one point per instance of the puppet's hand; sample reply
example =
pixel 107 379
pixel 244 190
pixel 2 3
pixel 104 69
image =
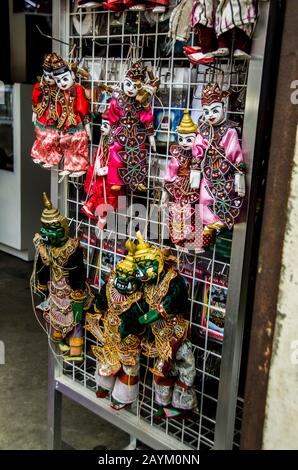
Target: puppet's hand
pixel 34 117
pixel 152 142
pixel 240 184
pixel 88 130
pixel 195 178
pixel 164 199
pixel 102 171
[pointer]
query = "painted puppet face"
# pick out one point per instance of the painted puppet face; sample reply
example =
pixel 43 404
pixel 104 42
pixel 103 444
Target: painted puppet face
pixel 125 281
pixel 147 270
pixel 130 88
pixel 65 80
pixel 105 127
pixel 214 113
pixel 48 77
pixel 186 140
pixel 55 235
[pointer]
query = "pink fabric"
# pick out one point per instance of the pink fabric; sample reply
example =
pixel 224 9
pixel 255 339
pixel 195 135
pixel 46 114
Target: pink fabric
pixel 199 147
pixel 75 150
pixel 115 162
pixel 172 170
pixel 232 147
pixel 233 153
pixel 46 147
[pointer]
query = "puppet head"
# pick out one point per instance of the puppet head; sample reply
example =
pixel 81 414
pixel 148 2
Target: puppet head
pixel 63 75
pixel 213 99
pixel 186 131
pixel 125 280
pixel 47 69
pixel 54 228
pixel 134 78
pixel 105 126
pixel 149 260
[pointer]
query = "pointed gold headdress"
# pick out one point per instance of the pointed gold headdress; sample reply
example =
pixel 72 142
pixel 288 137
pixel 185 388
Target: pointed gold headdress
pixel 187 126
pixel 146 251
pixel 128 263
pixel 52 216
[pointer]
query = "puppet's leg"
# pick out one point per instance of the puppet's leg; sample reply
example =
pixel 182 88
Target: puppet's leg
pixel 126 387
pixel 75 150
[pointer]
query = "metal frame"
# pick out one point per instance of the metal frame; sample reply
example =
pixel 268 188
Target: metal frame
pixel 135 425
pixel 278 142
pixel 241 253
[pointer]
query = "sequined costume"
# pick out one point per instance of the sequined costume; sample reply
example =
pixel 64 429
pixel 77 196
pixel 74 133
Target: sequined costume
pixel 219 152
pixel 184 231
pixel 65 136
pixel 130 123
pixel 219 155
pixel 61 278
pixel 96 187
pixel 185 228
pixel 118 332
pixel 166 336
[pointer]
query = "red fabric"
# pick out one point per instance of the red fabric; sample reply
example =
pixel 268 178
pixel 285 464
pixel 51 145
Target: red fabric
pixel 207 38
pixel 99 192
pixel 81 105
pixel 37 94
pixel 46 147
pixel 75 150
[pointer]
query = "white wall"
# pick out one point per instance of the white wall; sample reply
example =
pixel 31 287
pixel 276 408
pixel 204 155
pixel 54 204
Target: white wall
pixel 281 422
pixel 21 190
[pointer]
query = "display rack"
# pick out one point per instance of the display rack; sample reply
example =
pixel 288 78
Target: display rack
pixel 104 46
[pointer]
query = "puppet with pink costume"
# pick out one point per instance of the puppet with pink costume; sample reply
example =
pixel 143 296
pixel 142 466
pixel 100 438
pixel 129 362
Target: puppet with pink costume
pixel 131 123
pixel 218 151
pixel 185 227
pixel 98 192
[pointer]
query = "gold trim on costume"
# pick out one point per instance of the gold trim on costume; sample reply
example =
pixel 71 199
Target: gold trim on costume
pixel 118 303
pixel 154 294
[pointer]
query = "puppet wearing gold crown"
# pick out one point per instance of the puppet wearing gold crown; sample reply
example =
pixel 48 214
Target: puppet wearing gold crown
pixel 182 186
pixel 220 158
pixel 116 327
pixel 60 280
pixel 61 117
pixel 165 294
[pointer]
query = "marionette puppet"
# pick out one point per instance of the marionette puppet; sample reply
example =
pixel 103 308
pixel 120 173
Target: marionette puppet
pixel 219 154
pixel 59 276
pixel 220 23
pixel 46 149
pixel 182 186
pixel 61 118
pixel 116 327
pixel 131 123
pixel 98 191
pixel 74 119
pixel 165 293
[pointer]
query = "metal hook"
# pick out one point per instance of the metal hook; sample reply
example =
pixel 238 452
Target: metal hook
pixel 111 44
pixel 51 37
pixel 209 265
pixel 223 269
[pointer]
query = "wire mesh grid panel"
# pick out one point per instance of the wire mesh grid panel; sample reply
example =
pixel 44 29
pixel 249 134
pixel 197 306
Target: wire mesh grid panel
pixel 103 41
